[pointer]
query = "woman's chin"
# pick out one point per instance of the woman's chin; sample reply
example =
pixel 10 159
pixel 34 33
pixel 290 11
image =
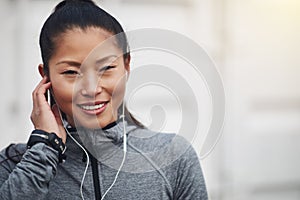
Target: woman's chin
pixel 92 124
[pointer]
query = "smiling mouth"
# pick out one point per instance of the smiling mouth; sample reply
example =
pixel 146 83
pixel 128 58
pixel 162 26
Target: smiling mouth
pixel 93 108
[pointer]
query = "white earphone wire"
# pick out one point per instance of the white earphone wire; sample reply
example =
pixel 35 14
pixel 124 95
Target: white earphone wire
pixel 88 159
pixel 124 152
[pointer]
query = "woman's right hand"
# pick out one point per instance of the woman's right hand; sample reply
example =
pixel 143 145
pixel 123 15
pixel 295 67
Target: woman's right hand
pixel 42 116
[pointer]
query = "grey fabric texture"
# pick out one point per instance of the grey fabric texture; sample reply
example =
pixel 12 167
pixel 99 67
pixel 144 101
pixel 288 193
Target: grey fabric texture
pixel 157 166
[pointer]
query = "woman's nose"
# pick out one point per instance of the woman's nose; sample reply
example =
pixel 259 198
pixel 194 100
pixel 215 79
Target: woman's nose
pixel 90 85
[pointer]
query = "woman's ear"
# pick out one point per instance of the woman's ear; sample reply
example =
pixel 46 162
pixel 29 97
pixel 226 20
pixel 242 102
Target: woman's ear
pixel 41 70
pixel 127 65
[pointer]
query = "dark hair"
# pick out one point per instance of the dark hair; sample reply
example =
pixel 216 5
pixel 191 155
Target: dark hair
pixel 70 14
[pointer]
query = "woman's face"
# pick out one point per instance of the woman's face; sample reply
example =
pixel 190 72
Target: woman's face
pixel 88 83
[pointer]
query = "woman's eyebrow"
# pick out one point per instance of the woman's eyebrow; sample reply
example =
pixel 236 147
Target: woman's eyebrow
pixel 69 62
pixel 78 64
pixel 106 58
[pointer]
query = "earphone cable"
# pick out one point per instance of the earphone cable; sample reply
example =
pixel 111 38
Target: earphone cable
pixel 88 159
pixel 124 151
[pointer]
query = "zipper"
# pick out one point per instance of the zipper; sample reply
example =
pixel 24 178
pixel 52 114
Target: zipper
pixel 96 181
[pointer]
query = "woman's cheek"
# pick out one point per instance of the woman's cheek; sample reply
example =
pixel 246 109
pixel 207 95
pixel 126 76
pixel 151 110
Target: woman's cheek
pixel 63 97
pixel 118 93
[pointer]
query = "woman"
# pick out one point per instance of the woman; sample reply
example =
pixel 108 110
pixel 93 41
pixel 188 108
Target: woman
pixel 89 122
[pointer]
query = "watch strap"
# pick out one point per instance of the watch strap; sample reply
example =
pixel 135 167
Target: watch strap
pixel 50 139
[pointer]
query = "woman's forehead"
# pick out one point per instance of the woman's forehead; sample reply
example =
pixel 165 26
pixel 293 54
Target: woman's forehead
pixel 91 44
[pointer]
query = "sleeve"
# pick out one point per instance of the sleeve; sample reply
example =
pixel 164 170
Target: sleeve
pixel 30 178
pixel 190 183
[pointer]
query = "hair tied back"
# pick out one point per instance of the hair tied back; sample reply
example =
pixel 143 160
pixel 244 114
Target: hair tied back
pixel 66 2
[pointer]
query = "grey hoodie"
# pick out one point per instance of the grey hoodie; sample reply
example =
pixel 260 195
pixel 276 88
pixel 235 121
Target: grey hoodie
pixel 157 166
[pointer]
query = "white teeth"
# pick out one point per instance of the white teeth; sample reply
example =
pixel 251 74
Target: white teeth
pixel 95 107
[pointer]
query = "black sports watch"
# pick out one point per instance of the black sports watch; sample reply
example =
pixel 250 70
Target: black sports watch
pixel 50 139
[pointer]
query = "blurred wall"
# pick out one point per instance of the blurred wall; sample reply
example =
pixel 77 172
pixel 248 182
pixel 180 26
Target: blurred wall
pixel 255 47
pixel 262 73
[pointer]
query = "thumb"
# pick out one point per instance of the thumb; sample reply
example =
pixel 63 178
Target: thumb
pixel 62 132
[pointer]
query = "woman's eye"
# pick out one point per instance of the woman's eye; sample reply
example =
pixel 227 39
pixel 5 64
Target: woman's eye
pixel 106 68
pixel 70 72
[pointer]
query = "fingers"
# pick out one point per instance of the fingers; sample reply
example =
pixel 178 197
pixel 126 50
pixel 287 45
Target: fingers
pixel 38 95
pixel 43 117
